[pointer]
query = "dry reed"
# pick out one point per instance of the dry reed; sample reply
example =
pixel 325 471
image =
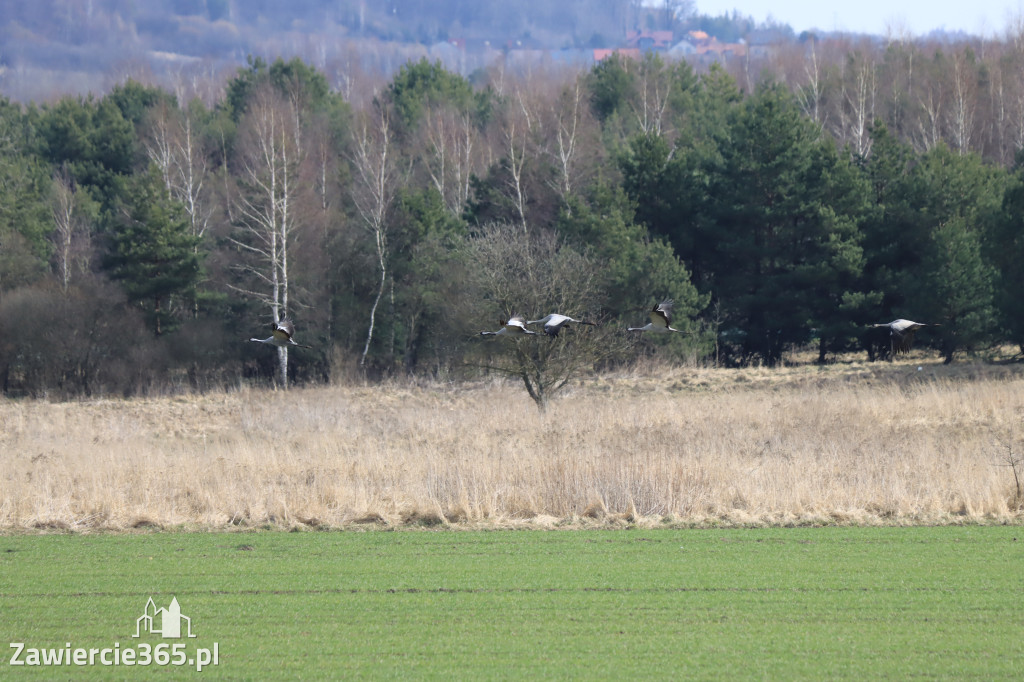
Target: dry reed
pixel 848 443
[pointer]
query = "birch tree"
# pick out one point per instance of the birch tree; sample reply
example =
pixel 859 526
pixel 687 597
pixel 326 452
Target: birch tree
pixel 451 141
pixel 516 133
pixel 900 78
pixel 930 123
pixel 173 145
pixel 1018 111
pixel 964 101
pixel 265 203
pixel 811 95
pixel 933 97
pixel 571 140
pixel 375 181
pixel 858 107
pixel 654 90
pixel 72 211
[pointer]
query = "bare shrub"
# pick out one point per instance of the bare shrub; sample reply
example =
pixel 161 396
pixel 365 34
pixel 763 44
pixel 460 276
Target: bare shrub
pixel 1014 461
pixel 79 342
pixel 533 274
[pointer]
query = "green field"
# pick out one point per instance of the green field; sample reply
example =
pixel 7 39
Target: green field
pixel 801 603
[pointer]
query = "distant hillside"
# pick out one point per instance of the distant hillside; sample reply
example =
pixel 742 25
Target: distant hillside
pixel 51 47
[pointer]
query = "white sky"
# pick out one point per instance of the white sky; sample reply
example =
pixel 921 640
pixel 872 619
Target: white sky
pixel 918 17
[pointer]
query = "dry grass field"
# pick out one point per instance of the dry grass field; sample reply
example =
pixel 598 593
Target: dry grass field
pixel 850 442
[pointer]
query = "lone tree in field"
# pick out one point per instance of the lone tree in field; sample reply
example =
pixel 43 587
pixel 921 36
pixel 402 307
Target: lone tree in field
pixel 533 274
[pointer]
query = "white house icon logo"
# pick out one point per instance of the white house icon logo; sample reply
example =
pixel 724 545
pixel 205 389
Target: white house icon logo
pixel 164 622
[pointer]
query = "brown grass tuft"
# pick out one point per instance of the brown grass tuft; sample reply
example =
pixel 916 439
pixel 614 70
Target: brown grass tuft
pixel 457 514
pixel 418 517
pixel 370 517
pixel 595 510
pixel 51 525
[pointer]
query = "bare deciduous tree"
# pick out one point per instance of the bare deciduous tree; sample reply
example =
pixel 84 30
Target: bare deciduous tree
pixel 375 181
pixel 654 89
pixel 71 228
pixel 534 275
pixel 172 143
pixel 811 93
pixel 897 72
pixel 516 134
pixel 265 204
pixel 930 123
pixel 858 107
pixel 571 139
pixel 158 143
pixel 450 138
pixel 1018 116
pixel 1000 115
pixel 964 95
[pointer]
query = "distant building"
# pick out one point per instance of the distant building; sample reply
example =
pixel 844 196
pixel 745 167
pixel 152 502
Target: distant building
pixel 629 52
pixel 573 57
pixel 707 48
pixel 649 41
pixel 682 49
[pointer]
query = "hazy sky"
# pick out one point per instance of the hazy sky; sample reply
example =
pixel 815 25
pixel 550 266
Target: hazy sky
pixel 981 17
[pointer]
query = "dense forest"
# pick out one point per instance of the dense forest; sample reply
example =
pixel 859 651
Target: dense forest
pixel 144 238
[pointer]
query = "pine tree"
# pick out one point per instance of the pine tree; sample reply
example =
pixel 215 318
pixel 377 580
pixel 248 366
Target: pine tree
pixel 153 252
pixel 954 287
pixel 1006 253
pixel 635 268
pixel 784 231
pixel 955 196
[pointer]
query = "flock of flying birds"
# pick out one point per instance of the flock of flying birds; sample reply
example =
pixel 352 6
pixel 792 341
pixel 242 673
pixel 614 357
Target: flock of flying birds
pixel 661 319
pixel 901 332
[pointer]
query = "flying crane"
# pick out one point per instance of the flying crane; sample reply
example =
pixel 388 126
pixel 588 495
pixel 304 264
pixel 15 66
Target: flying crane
pixel 661 319
pixel 515 326
pixel 554 323
pixel 281 335
pixel 901 334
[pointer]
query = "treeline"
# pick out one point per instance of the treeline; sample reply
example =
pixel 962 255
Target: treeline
pixel 144 240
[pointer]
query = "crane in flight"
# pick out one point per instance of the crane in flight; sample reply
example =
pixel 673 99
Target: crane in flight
pixel 281 335
pixel 515 326
pixel 554 323
pixel 661 319
pixel 901 333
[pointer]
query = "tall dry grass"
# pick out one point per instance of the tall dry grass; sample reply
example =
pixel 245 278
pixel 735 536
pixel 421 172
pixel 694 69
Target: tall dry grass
pixel 845 443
